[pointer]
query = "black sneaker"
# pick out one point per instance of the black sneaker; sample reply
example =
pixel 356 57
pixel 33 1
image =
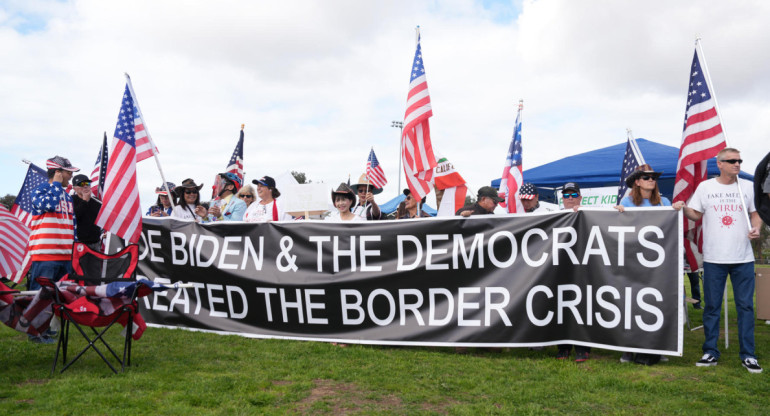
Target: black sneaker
pixel 627 357
pixel 562 355
pixel 581 357
pixel 707 360
pixel 752 365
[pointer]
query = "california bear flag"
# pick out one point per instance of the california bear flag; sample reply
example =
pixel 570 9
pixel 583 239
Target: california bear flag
pixel 447 179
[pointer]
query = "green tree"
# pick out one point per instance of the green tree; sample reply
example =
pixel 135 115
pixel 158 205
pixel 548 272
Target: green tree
pixel 300 177
pixel 7 200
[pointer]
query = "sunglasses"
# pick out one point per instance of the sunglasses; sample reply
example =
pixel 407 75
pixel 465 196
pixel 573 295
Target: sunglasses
pixel 732 161
pixel 647 178
pixel 246 196
pixel 191 192
pixel 84 183
pixel 408 197
pixel 572 195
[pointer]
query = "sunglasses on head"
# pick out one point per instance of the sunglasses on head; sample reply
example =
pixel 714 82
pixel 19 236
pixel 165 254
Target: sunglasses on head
pixel 732 161
pixel 572 195
pixel 246 196
pixel 188 191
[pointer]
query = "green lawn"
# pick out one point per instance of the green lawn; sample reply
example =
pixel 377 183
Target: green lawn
pixel 190 373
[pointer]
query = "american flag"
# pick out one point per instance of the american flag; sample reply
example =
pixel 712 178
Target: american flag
pixel 120 213
pixel 512 172
pixel 22 207
pixel 235 165
pixel 417 154
pixel 631 161
pixel 702 139
pixel 374 171
pixel 14 236
pixel 100 168
pixel 144 145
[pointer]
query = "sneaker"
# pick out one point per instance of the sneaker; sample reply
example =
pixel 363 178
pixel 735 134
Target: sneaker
pixel 707 360
pixel 41 339
pixel 562 355
pixel 627 357
pixel 581 357
pixel 752 365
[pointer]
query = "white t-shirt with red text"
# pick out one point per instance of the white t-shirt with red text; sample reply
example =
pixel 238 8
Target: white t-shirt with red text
pixel 725 230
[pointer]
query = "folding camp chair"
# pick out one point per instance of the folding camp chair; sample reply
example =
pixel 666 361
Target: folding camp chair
pixel 101 290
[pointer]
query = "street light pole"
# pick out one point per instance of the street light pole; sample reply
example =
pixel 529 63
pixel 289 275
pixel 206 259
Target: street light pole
pixel 400 125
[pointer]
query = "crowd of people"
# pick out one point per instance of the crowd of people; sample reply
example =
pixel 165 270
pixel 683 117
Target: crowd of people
pixel 726 249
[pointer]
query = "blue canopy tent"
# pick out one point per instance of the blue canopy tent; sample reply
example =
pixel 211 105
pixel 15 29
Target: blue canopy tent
pixel 601 167
pixel 392 205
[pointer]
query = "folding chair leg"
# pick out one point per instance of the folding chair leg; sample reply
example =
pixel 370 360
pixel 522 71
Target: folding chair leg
pixel 61 345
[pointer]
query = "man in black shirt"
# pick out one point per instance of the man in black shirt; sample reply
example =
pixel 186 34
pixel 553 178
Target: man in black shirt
pixel 486 201
pixel 86 210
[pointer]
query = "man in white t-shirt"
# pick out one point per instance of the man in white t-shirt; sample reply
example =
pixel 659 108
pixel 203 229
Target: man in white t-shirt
pixel 727 250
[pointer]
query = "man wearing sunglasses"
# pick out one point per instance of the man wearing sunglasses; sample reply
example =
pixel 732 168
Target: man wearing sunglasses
pixel 86 210
pixel 571 199
pixel 727 250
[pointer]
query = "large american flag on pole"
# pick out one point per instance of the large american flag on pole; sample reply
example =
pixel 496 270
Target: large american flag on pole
pixel 374 171
pixel 702 139
pixel 121 213
pixel 631 161
pixel 513 170
pixel 417 154
pixel 100 168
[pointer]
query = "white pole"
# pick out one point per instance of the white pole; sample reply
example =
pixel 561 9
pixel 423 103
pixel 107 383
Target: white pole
pixel 719 114
pixel 152 144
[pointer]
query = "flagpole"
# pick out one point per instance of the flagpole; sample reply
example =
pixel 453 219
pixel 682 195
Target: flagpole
pixel 703 64
pixel 400 125
pixel 152 144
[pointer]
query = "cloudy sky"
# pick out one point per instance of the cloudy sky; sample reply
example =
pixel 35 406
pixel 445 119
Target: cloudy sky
pixel 318 83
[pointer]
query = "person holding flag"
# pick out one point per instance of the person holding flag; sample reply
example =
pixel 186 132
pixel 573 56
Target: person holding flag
pixel 722 203
pixel 367 207
pixel 228 207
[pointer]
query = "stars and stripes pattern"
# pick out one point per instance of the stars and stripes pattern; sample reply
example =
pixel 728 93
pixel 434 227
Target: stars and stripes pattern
pixel 120 213
pixel 417 154
pixel 235 165
pixel 23 210
pixel 22 207
pixel 631 161
pixel 702 139
pixel 513 171
pixel 374 171
pixel 100 168
pixel 145 147
pixel 14 236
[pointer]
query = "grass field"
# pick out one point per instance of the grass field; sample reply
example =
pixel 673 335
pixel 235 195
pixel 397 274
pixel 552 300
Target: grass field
pixel 185 373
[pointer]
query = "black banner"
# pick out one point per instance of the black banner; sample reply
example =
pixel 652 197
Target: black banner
pixel 595 278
